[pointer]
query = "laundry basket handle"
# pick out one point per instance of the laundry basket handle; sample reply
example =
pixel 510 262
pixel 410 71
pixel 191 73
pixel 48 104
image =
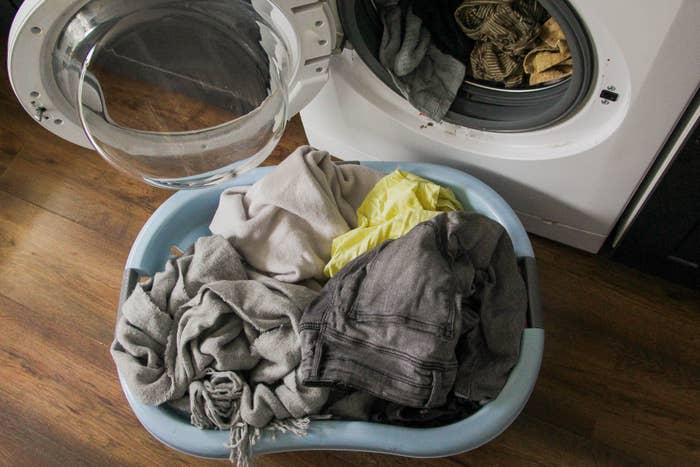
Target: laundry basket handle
pixel 534 303
pixel 129 281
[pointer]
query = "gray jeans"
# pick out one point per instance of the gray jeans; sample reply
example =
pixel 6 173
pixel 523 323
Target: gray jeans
pixel 442 307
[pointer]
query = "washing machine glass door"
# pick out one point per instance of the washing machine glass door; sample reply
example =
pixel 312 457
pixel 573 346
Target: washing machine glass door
pixel 178 93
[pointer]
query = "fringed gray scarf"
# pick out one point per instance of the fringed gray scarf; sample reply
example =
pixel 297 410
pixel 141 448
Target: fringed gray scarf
pixel 198 327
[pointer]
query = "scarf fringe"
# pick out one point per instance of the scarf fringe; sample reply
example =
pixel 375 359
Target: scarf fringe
pixel 243 437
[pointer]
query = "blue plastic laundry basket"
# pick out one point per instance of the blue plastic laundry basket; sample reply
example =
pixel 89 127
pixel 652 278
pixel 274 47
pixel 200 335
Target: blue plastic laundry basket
pixel 186 216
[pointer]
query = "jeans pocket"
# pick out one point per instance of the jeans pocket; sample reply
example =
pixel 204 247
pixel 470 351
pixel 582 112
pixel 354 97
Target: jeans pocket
pixel 420 300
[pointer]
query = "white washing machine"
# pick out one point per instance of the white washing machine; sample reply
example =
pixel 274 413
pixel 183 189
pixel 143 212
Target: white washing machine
pixel 189 93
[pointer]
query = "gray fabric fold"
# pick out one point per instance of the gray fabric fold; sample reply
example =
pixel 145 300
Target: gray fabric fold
pixel 223 333
pixel 426 76
pixel 284 225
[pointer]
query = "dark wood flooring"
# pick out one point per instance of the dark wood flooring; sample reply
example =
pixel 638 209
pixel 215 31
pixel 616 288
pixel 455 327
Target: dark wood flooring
pixel 620 381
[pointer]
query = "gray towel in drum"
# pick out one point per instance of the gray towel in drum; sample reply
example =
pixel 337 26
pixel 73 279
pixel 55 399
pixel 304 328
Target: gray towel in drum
pixel 284 225
pixel 212 328
pixel 426 76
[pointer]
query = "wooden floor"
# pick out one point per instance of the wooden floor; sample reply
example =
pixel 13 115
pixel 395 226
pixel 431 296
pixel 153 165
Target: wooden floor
pixel 620 381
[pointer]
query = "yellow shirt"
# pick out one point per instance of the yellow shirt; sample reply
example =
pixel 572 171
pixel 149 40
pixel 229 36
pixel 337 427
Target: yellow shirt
pixel 396 204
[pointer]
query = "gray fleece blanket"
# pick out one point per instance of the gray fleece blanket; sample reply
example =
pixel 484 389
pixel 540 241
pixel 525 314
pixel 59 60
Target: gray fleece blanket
pixel 284 225
pixel 211 328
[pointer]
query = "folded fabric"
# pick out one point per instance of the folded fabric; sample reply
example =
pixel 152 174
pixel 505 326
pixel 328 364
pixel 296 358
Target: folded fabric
pixel 363 406
pixel 489 63
pixel 396 204
pixel 504 31
pixel 500 22
pixel 427 77
pixel 531 9
pixel 285 223
pixel 440 309
pixel 550 59
pixel 209 327
pixel 452 411
pixel 357 405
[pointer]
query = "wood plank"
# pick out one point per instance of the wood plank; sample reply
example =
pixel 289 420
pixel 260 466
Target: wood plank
pixel 10 146
pixel 530 441
pixel 51 264
pixel 616 366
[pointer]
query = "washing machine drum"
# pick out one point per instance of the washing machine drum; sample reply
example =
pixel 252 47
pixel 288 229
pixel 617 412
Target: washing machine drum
pixel 179 93
pixel 187 93
pixel 486 105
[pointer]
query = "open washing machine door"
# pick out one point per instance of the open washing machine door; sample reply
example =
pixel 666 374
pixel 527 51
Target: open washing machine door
pixel 180 93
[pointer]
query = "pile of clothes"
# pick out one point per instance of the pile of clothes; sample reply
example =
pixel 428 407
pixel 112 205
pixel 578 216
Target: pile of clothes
pixel 328 291
pixel 429 47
